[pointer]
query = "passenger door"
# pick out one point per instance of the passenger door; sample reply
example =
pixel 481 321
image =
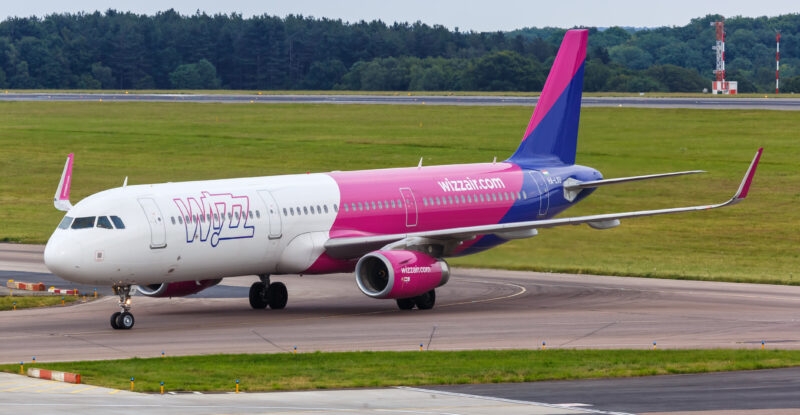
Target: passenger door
pixel 273 214
pixel 158 231
pixel 411 206
pixel 544 194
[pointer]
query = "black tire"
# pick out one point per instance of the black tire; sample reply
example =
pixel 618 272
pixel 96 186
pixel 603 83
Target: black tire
pixel 114 320
pixel 426 301
pixel 258 296
pixel 405 303
pixel 277 296
pixel 125 321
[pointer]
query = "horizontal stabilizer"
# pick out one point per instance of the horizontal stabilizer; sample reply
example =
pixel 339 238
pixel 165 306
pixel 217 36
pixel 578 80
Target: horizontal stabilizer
pixel 572 187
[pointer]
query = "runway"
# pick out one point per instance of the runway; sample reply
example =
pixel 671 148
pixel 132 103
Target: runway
pixel 477 309
pixel 788 104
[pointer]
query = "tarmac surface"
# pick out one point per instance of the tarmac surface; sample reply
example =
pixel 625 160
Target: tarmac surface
pixel 477 309
pixel 789 104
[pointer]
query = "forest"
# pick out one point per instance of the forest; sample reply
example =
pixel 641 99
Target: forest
pixel 121 50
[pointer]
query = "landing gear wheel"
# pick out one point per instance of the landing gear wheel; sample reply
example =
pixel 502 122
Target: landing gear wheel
pixel 277 296
pixel 114 320
pixel 426 301
pixel 125 321
pixel 258 295
pixel 405 303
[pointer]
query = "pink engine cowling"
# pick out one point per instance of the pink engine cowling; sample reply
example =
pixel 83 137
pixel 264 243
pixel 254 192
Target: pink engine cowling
pixel 400 274
pixel 176 289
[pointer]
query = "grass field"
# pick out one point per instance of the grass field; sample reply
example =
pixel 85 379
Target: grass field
pixel 158 142
pixel 7 303
pixel 264 372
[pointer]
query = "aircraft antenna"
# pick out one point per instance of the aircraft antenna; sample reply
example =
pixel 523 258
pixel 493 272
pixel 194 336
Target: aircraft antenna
pixel 125 183
pixel 419 166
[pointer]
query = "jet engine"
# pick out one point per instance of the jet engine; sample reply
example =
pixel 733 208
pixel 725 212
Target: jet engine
pixel 400 274
pixel 176 289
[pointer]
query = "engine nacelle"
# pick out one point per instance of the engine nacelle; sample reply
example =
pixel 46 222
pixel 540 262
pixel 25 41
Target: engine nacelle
pixel 400 274
pixel 176 289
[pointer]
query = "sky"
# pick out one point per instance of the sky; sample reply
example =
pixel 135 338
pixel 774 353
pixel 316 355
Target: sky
pixel 476 15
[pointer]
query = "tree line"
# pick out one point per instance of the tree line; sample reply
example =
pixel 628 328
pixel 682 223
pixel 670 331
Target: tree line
pixel 116 50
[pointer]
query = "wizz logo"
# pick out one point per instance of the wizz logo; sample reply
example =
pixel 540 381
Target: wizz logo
pixel 215 217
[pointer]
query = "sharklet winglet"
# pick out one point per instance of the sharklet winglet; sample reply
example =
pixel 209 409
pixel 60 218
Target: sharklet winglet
pixel 61 198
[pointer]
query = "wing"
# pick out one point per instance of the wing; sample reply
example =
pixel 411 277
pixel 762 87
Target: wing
pixel 353 247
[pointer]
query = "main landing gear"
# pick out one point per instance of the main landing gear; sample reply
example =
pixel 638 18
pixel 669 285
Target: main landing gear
pixel 263 294
pixel 123 320
pixel 423 302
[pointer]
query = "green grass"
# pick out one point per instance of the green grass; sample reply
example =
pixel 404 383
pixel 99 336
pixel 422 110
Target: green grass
pixel 158 142
pixel 264 372
pixel 7 303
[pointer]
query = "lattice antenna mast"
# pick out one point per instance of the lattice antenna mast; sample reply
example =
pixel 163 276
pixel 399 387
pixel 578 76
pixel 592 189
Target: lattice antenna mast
pixel 720 48
pixel 778 65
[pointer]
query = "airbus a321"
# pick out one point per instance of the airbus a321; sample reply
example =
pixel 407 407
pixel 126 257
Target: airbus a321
pixel 392 227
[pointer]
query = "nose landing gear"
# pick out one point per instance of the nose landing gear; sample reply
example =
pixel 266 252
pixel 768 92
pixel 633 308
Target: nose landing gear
pixel 263 294
pixel 123 320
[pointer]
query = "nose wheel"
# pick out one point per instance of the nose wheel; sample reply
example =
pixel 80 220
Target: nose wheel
pixel 123 320
pixel 264 293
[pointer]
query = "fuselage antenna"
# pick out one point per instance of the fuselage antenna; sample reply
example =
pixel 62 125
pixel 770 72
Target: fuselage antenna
pixel 125 183
pixel 419 166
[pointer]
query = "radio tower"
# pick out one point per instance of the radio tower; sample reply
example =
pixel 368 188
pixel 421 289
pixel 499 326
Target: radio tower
pixel 778 65
pixel 720 85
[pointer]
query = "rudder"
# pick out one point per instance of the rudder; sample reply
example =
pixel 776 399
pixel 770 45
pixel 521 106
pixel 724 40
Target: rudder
pixel 552 134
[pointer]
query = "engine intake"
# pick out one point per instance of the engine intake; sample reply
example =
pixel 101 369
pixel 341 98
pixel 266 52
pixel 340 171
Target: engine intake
pixel 400 274
pixel 176 289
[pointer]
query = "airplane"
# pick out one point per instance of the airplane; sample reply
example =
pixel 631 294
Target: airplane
pixel 393 227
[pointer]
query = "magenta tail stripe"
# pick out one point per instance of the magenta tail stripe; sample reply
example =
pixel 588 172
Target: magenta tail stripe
pixel 569 59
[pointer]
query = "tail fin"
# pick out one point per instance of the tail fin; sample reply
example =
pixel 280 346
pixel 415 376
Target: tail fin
pixel 552 134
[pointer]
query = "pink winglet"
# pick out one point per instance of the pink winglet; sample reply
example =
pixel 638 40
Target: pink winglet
pixel 569 59
pixel 750 173
pixel 67 179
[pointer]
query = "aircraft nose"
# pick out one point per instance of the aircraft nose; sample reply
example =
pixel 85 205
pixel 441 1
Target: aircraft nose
pixel 62 257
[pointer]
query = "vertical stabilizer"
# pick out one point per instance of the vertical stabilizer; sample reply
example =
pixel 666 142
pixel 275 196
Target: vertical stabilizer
pixel 552 134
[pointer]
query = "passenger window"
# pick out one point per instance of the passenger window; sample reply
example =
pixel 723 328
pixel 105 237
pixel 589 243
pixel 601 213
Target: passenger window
pixel 346 209
pixel 438 201
pixel 399 203
pixel 513 196
pixel 524 195
pixel 291 210
pixel 462 199
pixel 424 202
pixel 250 213
pixel 180 220
pixel 216 217
pixel 494 197
pixel 325 207
pixel 360 206
pixel 394 205
pixel 481 196
pixel 103 222
pixel 83 223
pixel 305 210
pixel 65 222
pixel 380 205
pixel 285 213
pixel 230 216
pixel 258 214
pixel 373 205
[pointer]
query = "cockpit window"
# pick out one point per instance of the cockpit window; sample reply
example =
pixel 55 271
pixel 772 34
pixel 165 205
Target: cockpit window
pixel 65 222
pixel 117 222
pixel 83 223
pixel 103 222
